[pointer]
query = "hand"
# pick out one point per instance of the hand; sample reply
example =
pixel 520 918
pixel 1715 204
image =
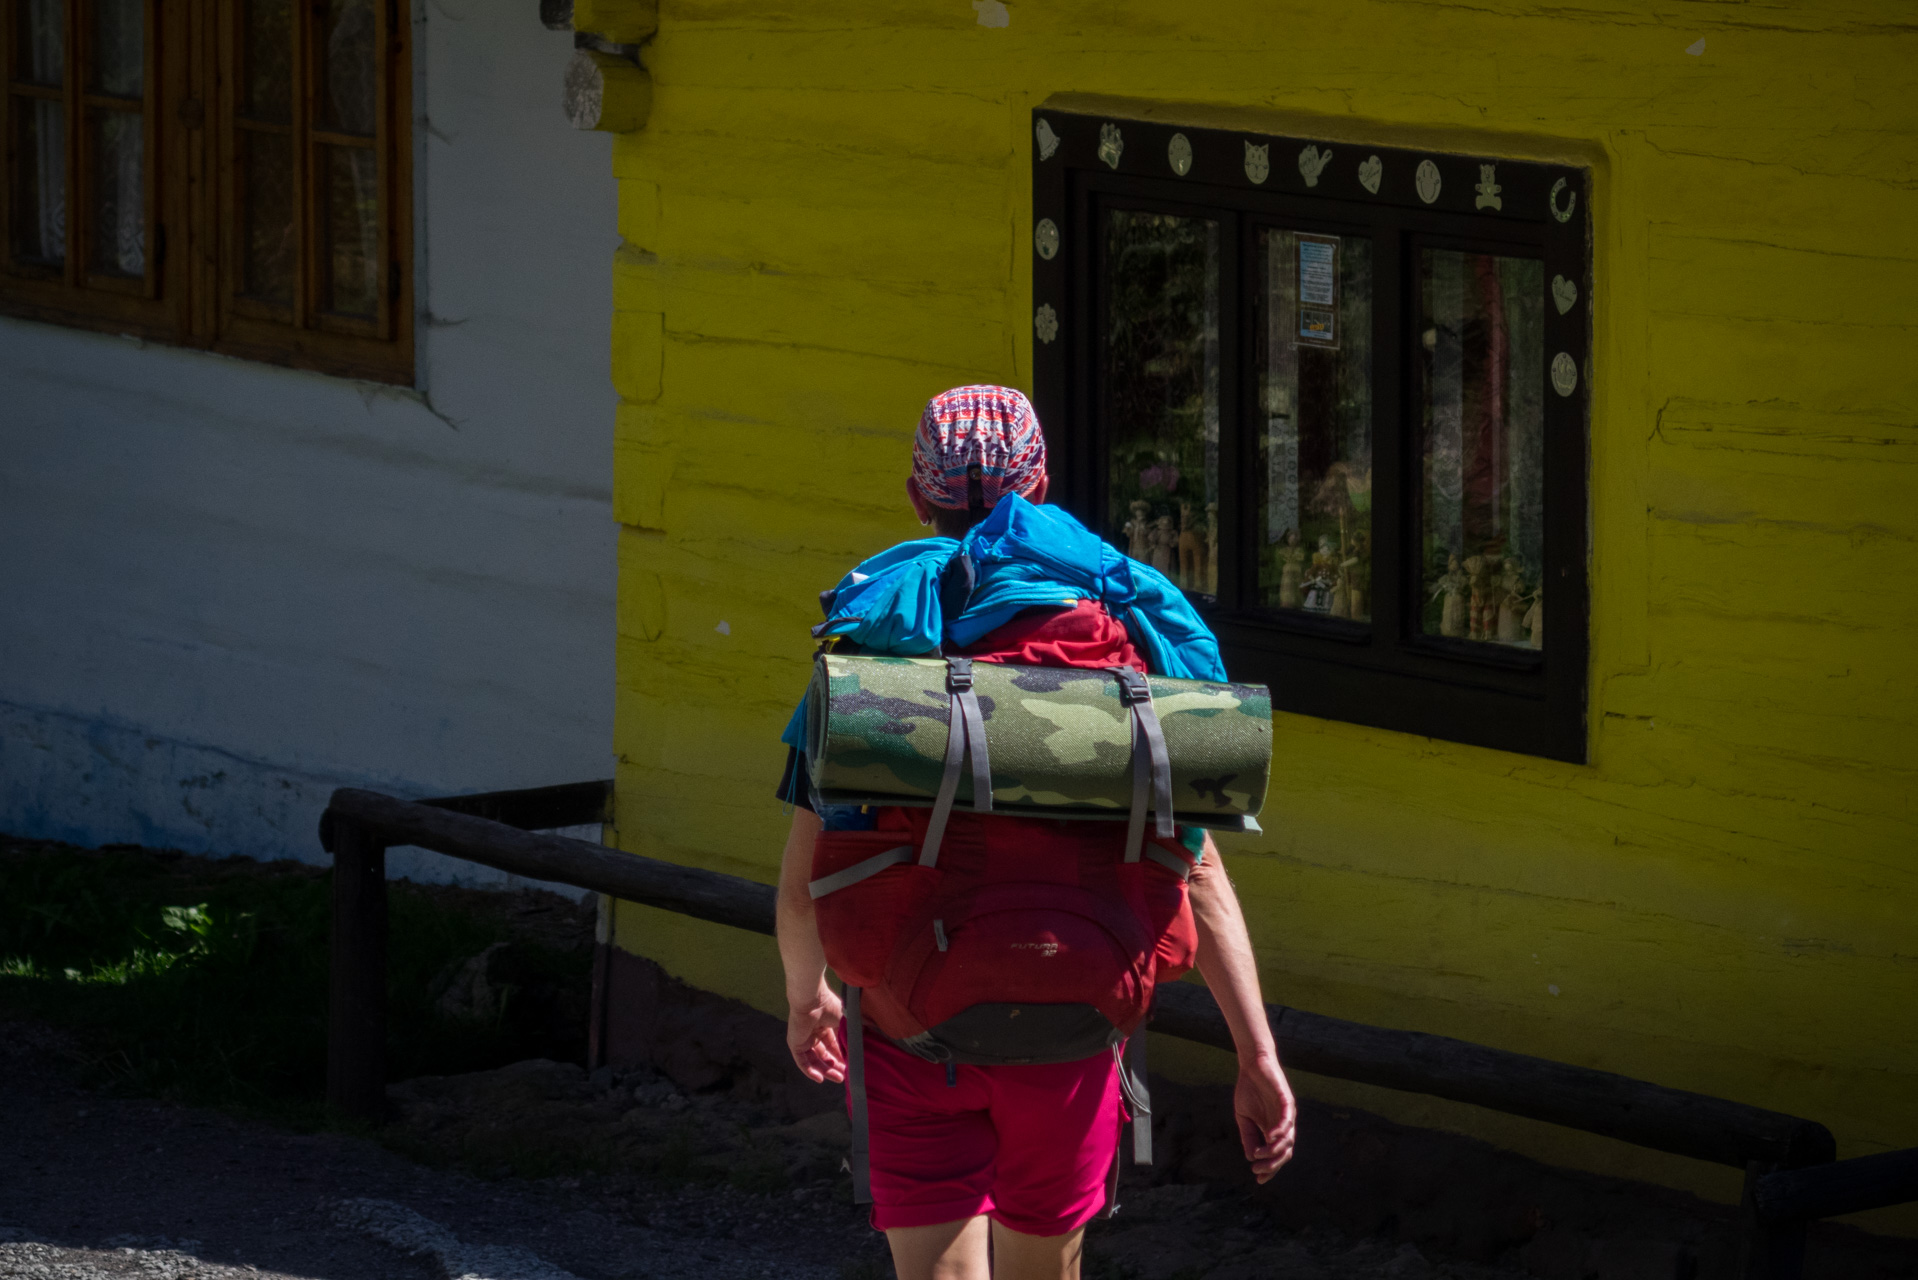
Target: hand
pixel 809 1034
pixel 1268 1117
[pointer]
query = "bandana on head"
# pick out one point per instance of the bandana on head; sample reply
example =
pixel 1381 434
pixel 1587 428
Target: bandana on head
pixel 975 445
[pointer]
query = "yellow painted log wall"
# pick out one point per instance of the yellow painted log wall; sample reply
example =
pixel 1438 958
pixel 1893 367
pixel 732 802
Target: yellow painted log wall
pixel 826 221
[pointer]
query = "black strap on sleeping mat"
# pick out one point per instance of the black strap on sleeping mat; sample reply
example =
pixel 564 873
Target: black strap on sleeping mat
pixel 856 1088
pixel 1151 764
pixel 965 734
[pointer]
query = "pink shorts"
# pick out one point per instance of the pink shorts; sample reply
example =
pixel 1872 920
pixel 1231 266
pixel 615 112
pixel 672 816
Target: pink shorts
pixel 1030 1145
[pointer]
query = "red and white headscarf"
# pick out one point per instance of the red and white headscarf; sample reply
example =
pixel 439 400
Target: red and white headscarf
pixel 989 428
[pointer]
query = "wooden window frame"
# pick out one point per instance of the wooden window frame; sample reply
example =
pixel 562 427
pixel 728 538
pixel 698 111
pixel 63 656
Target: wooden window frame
pixel 1383 673
pixel 190 295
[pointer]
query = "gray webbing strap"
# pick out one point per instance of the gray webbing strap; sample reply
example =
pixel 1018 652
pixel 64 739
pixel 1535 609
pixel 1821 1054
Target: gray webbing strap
pixel 1141 779
pixel 1151 763
pixel 965 730
pixel 861 870
pixel 1170 861
pixel 1141 1099
pixel 960 681
pixel 856 1088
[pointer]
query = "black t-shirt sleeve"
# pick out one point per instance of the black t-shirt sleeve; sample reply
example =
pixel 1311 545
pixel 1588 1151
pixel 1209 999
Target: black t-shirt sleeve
pixel 792 783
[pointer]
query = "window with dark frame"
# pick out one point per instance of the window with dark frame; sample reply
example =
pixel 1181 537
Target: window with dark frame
pixel 239 176
pixel 1338 394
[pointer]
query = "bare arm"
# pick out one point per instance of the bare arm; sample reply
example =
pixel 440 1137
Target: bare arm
pixel 1266 1111
pixel 813 1009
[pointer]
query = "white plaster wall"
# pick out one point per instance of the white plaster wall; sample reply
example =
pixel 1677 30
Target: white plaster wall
pixel 226 588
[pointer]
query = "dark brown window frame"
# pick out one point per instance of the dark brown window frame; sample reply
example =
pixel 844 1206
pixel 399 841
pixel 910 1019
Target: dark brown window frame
pixel 189 295
pixel 1382 673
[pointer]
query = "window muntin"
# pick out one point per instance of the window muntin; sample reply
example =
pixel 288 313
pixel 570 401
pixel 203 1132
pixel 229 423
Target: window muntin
pixel 86 63
pixel 297 131
pixel 1355 408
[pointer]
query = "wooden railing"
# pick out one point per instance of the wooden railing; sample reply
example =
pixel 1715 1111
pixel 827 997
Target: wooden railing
pixel 1790 1174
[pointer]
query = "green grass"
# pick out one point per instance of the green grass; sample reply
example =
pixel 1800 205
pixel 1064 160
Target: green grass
pixel 206 980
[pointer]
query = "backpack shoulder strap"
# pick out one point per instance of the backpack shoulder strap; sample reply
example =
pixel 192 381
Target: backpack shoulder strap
pixel 965 734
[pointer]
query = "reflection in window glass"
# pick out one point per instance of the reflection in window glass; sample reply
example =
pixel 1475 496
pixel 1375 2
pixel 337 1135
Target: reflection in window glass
pixel 1162 379
pixel 352 230
pixel 119 47
pixel 1312 304
pixel 40 55
pixel 1482 383
pixel 119 201
pixel 40 181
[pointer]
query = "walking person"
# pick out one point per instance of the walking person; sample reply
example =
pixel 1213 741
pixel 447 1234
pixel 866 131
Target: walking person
pixel 995 1168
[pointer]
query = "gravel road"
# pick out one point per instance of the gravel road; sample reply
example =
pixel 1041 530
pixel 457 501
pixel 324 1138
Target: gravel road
pixel 95 1186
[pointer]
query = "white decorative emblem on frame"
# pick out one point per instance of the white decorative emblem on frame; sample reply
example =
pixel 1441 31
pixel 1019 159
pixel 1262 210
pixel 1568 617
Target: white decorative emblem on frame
pixel 1312 163
pixel 1045 323
pixel 1178 154
pixel 1564 294
pixel 1371 169
pixel 1048 140
pixel 1110 145
pixel 1427 181
pixel 1045 238
pixel 1571 203
pixel 1258 164
pixel 1488 188
pixel 1564 373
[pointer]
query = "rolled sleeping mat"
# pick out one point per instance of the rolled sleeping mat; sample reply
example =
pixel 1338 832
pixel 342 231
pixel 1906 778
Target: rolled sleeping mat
pixel 1060 739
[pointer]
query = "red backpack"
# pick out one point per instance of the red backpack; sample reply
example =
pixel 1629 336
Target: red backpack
pixel 1030 939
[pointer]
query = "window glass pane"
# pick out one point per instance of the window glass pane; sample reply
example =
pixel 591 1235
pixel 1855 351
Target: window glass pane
pixel 1482 367
pixel 348 54
pixel 119 194
pixel 352 222
pixel 268 76
pixel 266 214
pixel 1162 385
pixel 40 181
pixel 119 47
pixel 1312 314
pixel 42 42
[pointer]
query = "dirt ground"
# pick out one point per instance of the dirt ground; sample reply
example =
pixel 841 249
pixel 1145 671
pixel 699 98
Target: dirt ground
pixel 699 1157
pixel 97 1186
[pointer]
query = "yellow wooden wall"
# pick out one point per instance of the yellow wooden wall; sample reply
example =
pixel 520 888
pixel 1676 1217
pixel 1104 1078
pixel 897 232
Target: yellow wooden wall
pixel 826 220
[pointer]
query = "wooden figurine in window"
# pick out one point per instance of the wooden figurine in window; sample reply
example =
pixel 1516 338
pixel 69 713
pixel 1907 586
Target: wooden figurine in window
pixel 1452 585
pixel 1535 616
pixel 1355 578
pixel 1191 551
pixel 1212 548
pixel 1485 610
pixel 1291 570
pixel 1325 572
pixel 1480 606
pixel 1138 531
pixel 1512 600
pixel 1164 543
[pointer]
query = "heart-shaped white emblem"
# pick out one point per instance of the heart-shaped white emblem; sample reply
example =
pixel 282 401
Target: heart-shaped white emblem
pixel 1564 293
pixel 1371 170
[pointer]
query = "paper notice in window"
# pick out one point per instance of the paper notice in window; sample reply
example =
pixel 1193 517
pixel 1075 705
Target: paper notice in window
pixel 1319 290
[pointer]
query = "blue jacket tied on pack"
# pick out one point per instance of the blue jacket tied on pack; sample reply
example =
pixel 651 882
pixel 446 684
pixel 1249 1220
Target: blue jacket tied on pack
pixel 1021 556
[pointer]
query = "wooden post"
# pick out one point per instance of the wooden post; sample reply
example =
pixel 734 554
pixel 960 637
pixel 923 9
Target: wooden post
pixel 356 1022
pixel 1774 1249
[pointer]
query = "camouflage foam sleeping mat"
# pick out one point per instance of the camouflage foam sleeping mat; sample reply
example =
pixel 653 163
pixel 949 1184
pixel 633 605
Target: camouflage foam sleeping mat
pixel 1059 739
